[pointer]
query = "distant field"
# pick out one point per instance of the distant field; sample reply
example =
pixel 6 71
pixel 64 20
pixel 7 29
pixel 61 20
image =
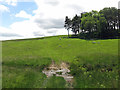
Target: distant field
pixel 93 63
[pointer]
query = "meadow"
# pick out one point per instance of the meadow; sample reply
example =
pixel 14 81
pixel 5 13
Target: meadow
pixel 93 63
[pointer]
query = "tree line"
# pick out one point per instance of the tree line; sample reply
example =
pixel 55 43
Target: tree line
pixel 95 25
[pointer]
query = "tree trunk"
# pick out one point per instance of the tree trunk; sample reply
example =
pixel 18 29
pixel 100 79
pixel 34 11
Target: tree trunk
pixel 68 33
pixel 75 32
pixel 78 31
pixel 114 25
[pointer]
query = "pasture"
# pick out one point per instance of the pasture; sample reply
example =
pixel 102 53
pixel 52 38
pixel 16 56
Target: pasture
pixel 93 63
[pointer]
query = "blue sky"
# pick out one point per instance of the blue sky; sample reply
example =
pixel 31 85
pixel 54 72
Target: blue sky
pixel 9 17
pixel 37 18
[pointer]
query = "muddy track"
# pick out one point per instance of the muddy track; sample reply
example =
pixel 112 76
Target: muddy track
pixel 61 70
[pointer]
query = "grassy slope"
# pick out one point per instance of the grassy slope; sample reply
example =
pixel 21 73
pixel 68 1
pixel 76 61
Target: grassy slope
pixel 24 60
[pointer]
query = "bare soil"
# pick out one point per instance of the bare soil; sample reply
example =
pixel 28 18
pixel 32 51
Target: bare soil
pixel 61 70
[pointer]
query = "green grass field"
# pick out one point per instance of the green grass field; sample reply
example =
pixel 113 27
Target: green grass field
pixel 93 65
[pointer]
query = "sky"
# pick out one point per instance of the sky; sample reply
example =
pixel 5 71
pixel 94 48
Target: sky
pixel 38 18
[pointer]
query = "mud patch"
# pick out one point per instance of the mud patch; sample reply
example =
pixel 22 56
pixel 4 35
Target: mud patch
pixel 59 70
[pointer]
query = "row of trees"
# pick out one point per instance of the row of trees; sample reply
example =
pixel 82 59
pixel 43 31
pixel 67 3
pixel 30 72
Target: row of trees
pixel 103 24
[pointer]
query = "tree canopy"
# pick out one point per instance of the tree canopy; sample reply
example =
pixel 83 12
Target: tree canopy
pixel 94 24
pixel 67 24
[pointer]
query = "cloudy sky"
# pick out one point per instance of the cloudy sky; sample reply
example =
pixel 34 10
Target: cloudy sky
pixel 37 18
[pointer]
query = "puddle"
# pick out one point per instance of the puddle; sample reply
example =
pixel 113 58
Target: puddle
pixel 61 70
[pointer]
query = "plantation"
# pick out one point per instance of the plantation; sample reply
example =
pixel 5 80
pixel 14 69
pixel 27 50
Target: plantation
pixel 93 65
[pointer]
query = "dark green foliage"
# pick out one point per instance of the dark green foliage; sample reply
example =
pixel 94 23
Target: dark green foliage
pixel 94 74
pixel 67 24
pixel 97 25
pixel 111 15
pixel 76 24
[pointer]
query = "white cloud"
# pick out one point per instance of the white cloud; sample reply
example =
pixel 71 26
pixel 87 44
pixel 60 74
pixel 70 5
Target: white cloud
pixel 51 2
pixel 27 29
pixel 10 35
pixel 49 23
pixel 63 7
pixel 3 8
pixel 38 33
pixel 6 34
pixel 10 2
pixel 23 14
pixel 49 17
pixel 119 5
pixel 47 14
